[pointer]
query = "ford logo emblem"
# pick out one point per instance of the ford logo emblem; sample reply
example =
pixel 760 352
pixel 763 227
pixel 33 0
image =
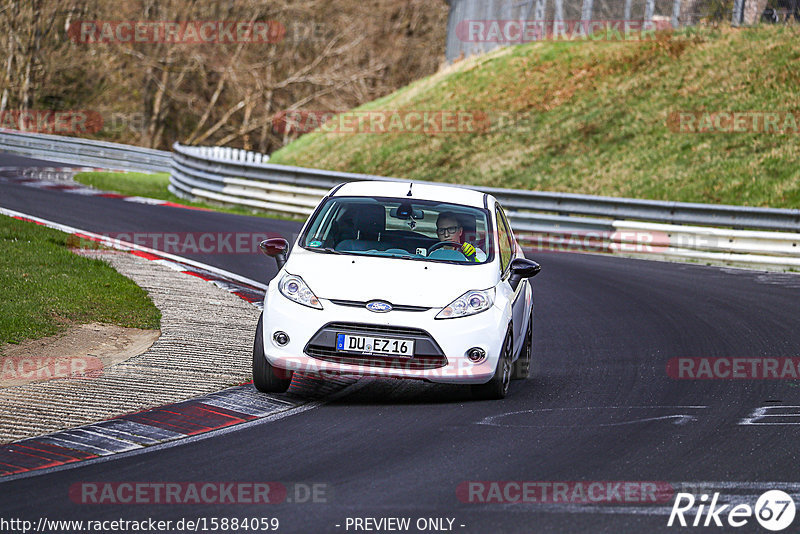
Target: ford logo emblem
pixel 378 306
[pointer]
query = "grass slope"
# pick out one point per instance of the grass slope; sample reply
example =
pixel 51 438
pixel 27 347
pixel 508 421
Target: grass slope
pixel 592 118
pixel 44 287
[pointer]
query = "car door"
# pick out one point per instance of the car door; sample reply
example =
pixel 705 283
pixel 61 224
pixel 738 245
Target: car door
pixel 508 251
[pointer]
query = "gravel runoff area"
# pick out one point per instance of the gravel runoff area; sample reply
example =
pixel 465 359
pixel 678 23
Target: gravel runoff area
pixel 205 345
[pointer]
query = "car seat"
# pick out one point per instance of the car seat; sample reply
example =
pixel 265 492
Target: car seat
pixel 370 222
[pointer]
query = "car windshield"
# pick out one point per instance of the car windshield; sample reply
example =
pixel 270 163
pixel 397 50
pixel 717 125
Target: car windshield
pixel 401 228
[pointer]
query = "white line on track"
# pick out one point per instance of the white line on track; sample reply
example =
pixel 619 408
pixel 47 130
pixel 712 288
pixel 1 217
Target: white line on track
pixel 122 245
pixel 192 439
pixel 679 419
pixel 125 245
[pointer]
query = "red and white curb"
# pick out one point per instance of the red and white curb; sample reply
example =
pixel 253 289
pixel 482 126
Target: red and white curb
pixel 206 415
pixel 249 290
pixel 200 417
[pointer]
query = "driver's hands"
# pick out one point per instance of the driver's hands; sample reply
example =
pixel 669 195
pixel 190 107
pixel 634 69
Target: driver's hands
pixel 469 251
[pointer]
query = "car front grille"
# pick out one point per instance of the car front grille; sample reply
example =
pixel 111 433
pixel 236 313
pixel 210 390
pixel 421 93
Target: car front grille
pixel 379 329
pixel 395 307
pixel 427 353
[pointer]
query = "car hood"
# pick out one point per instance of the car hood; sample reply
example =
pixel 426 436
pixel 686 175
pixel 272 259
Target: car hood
pixel 400 282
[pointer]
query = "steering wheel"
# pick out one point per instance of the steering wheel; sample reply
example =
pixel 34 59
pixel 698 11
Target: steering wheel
pixel 441 244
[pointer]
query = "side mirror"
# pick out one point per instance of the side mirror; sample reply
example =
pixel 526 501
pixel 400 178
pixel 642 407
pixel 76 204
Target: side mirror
pixel 275 247
pixel 522 268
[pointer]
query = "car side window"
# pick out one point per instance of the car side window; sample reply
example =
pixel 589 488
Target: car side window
pixel 511 239
pixel 504 239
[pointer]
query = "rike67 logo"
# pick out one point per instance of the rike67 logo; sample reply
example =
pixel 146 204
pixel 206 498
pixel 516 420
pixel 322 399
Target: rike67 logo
pixel 774 510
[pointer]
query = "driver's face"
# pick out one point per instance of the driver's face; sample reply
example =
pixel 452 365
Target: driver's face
pixel 449 230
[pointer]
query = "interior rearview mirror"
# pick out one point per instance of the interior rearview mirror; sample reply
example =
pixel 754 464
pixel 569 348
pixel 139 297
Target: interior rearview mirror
pixel 405 212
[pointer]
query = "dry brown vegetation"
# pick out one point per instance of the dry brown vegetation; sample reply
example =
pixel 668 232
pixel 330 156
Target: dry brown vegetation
pixel 333 55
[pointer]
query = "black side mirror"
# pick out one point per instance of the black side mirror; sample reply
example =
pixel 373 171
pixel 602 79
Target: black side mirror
pixel 275 247
pixel 522 268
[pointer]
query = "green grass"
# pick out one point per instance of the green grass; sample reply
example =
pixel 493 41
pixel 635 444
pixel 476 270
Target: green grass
pixel 592 118
pixel 44 287
pixel 135 184
pixel 155 186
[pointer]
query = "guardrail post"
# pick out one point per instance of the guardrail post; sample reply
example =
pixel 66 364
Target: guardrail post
pixel 558 10
pixel 649 10
pixel 737 15
pixel 586 10
pixel 676 12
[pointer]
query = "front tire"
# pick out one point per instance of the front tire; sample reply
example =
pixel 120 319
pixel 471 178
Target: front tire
pixel 267 378
pixel 497 387
pixel 522 367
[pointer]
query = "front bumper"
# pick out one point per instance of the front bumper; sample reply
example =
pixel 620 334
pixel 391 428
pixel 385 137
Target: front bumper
pixel 440 345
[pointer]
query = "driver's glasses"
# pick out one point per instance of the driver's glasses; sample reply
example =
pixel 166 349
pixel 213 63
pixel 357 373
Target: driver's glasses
pixel 449 230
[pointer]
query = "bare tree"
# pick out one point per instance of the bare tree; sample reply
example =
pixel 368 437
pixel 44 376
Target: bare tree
pixel 331 55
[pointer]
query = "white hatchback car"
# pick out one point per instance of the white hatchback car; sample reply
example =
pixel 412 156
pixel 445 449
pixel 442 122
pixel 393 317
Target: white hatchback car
pixel 403 280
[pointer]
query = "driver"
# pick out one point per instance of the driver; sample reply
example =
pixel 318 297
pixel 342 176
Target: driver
pixel 448 228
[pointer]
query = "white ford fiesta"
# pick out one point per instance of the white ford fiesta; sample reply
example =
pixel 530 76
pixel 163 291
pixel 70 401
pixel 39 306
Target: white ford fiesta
pixel 402 280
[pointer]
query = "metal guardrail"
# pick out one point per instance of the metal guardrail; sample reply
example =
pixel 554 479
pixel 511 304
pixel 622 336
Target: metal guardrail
pixel 84 152
pixel 651 210
pixel 533 210
pixel 543 220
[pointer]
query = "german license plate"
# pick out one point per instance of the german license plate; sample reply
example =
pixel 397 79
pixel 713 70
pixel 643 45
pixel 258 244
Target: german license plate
pixel 375 345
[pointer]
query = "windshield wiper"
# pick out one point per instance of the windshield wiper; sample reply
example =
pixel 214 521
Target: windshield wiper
pixel 327 250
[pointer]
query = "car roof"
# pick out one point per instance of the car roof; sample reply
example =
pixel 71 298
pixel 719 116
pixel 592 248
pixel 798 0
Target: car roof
pixel 419 191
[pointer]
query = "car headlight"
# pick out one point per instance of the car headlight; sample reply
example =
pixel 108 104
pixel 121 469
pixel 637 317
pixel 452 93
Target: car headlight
pixel 469 303
pixel 294 288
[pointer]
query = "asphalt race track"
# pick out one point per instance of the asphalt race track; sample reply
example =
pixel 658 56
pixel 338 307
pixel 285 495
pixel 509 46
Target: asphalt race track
pixel 603 408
